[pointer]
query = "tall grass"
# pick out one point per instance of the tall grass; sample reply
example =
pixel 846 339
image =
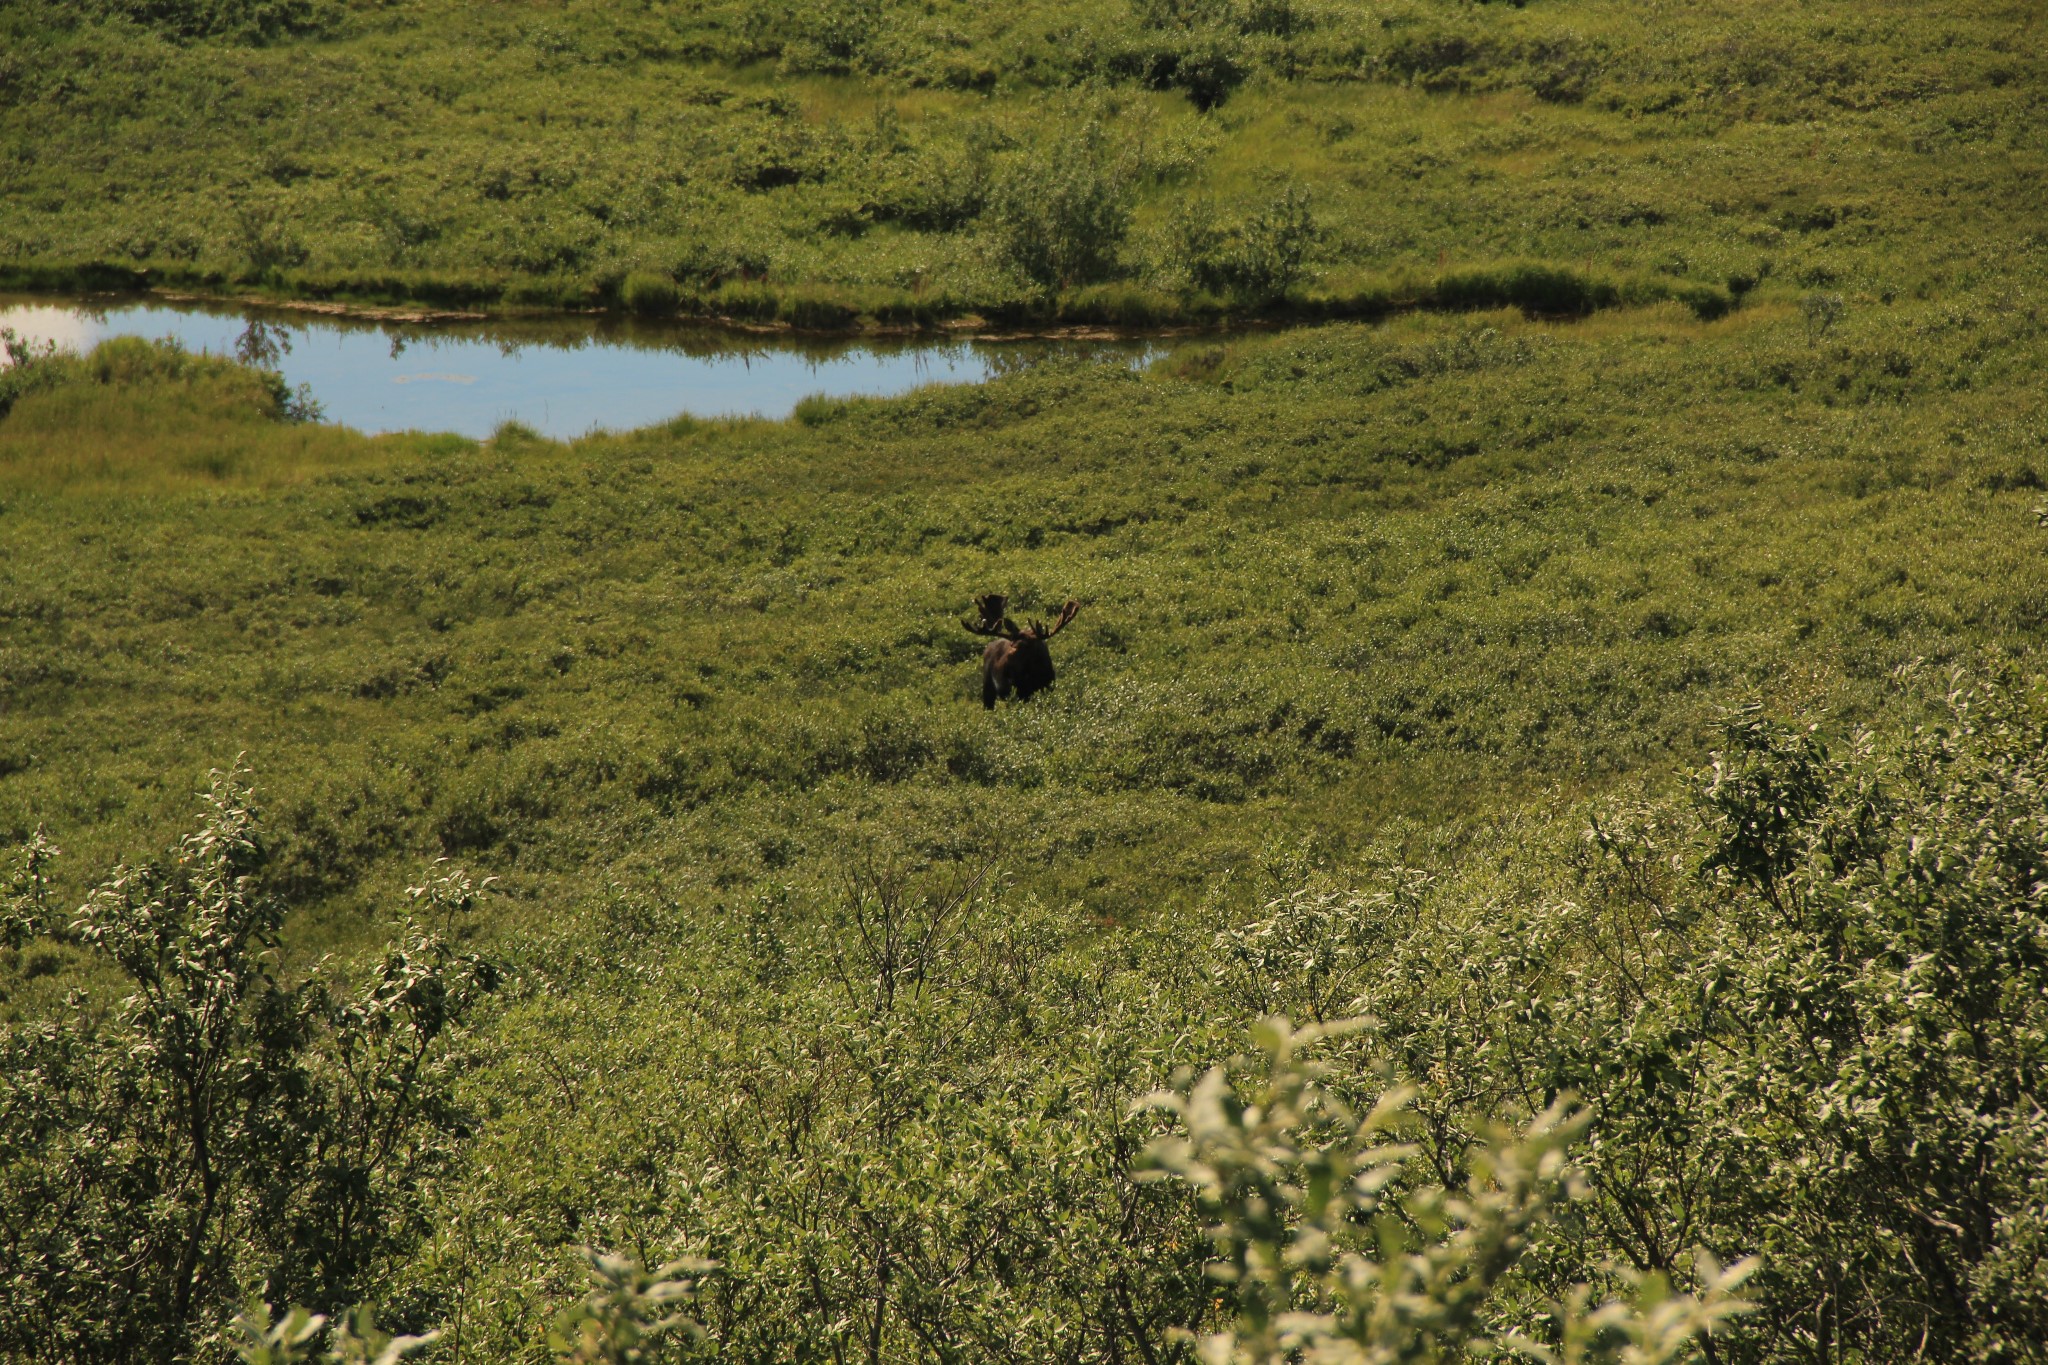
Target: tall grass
pixel 140 418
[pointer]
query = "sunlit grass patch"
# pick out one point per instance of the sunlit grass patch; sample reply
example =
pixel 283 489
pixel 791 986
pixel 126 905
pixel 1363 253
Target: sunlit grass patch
pixel 147 416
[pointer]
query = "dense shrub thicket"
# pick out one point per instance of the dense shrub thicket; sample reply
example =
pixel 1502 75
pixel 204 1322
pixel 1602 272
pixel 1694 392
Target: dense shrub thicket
pixel 1805 1010
pixel 1530 719
pixel 217 1129
pixel 1801 1006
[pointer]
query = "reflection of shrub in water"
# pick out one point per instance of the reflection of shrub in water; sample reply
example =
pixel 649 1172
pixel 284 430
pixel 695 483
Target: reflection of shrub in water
pixel 263 344
pixel 1025 358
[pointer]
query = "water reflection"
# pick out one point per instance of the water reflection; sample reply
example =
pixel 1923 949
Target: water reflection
pixel 561 376
pixel 262 344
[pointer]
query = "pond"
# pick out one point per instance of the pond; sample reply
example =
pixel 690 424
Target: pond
pixel 562 376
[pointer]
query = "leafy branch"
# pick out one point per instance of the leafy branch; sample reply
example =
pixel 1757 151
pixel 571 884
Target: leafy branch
pixel 1333 1260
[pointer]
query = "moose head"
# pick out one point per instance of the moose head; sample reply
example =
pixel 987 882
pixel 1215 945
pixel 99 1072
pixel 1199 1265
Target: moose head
pixel 1016 660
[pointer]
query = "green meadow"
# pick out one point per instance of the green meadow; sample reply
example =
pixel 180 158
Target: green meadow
pixel 1589 630
pixel 828 163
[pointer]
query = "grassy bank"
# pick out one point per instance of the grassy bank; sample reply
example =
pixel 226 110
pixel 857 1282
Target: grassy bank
pixel 704 162
pixel 1538 290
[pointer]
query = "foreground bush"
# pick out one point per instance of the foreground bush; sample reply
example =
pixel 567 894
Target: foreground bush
pixel 1329 1260
pixel 1809 1017
pixel 220 1128
pixel 1804 1009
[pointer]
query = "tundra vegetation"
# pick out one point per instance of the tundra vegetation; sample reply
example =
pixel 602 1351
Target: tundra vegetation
pixel 1539 847
pixel 828 162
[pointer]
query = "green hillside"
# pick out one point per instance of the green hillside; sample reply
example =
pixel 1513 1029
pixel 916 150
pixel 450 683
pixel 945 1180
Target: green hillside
pixel 827 161
pixel 1600 642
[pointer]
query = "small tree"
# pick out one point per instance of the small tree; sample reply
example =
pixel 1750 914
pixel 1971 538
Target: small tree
pixel 25 366
pixel 1822 312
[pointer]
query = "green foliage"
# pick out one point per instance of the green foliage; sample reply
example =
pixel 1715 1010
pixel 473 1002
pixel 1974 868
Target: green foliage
pixel 26 912
pixel 258 1340
pixel 1379 584
pixel 482 156
pixel 628 1309
pixel 1060 214
pixel 1257 260
pixel 648 293
pixel 1331 1256
pixel 262 233
pixel 1822 312
pixel 28 367
pixel 824 36
pixel 1195 47
pixel 1534 288
pixel 1308 956
pixel 241 21
pixel 1888 995
pixel 1454 605
pixel 222 1126
pixel 1802 1014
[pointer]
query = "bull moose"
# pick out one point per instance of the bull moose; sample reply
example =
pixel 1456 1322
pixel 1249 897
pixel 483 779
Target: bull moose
pixel 1016 660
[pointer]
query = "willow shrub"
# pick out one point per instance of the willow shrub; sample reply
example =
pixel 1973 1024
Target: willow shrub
pixel 1808 1015
pixel 1329 1254
pixel 218 1128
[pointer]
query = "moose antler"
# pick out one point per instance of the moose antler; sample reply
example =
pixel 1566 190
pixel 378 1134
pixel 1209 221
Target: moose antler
pixel 1067 614
pixel 991 609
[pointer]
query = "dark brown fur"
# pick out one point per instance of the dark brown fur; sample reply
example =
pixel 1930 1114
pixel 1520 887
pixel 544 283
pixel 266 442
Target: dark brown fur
pixel 1017 660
